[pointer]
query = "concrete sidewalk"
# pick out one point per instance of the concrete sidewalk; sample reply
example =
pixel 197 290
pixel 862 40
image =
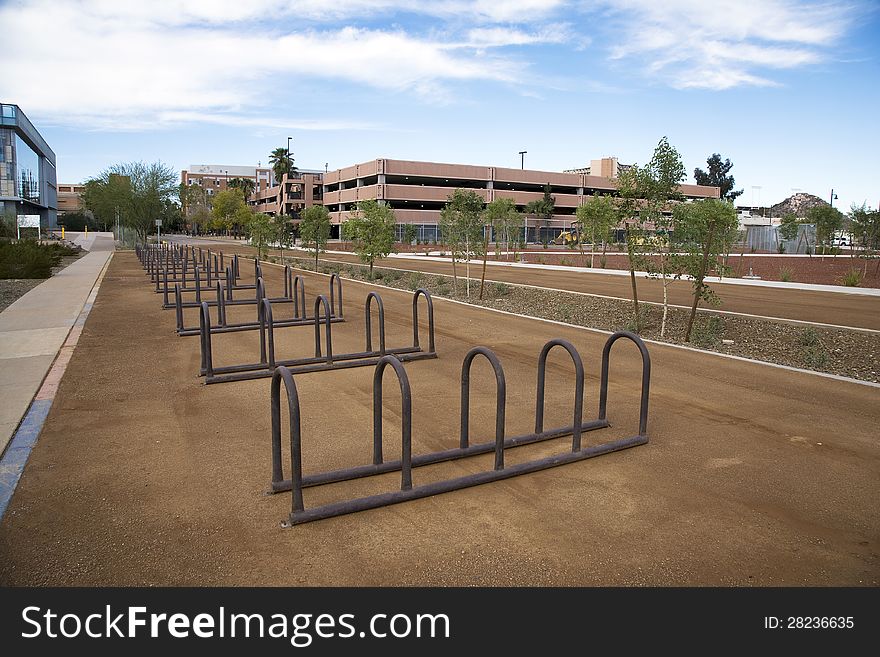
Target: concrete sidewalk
pixel 33 329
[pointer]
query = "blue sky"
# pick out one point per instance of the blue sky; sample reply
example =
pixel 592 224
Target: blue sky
pixel 787 90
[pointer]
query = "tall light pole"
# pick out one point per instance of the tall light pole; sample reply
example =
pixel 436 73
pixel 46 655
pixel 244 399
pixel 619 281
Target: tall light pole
pixel 833 196
pixel 522 159
pixel 284 191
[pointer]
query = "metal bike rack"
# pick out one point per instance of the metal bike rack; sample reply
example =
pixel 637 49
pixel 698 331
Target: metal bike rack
pixel 298 299
pixel 324 358
pixel 299 514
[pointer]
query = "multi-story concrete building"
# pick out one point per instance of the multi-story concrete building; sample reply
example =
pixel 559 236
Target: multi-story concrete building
pixel 70 198
pixel 27 169
pixel 417 191
pixel 301 190
pixel 214 178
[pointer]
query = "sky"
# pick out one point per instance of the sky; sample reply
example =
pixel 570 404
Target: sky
pixel 787 90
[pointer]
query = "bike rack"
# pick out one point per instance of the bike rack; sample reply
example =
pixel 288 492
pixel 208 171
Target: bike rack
pixel 297 298
pixel 299 514
pixel 324 358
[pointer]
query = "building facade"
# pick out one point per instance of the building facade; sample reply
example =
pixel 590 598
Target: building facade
pixel 417 191
pixel 70 198
pixel 214 178
pixel 293 194
pixel 27 169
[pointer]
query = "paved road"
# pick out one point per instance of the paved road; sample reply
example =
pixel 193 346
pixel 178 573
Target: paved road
pixel 839 309
pixel 754 476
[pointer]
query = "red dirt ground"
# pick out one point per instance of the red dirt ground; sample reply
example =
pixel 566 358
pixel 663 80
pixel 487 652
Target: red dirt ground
pixel 142 475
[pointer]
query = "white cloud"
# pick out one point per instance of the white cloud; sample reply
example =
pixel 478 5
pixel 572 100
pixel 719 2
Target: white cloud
pixel 496 37
pixel 725 43
pixel 110 65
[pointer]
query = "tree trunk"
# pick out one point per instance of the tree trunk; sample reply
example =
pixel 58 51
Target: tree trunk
pixel 371 269
pixel 632 278
pixel 467 267
pixel 454 276
pixel 592 247
pixel 316 258
pixel 485 255
pixel 698 288
pixel 665 295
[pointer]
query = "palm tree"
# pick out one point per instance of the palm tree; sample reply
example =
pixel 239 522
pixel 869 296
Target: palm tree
pixel 281 163
pixel 246 185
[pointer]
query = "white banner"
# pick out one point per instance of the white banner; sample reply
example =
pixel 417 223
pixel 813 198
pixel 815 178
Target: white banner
pixel 28 221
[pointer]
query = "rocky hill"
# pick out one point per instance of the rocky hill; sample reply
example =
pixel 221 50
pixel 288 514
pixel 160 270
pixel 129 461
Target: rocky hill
pixel 798 205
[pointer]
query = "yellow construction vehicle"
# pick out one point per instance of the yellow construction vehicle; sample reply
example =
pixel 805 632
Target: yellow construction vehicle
pixel 567 238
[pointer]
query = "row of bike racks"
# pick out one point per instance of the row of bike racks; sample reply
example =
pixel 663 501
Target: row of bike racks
pixel 324 359
pixel 178 270
pixel 297 481
pixel 297 299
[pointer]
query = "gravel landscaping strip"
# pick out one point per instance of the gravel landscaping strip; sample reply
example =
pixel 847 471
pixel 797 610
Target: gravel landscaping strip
pixel 853 354
pixel 13 288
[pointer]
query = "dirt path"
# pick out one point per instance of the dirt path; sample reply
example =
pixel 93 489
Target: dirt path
pixel 142 475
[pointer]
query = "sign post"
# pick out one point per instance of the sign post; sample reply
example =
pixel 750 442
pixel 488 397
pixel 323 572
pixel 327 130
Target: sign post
pixel 158 232
pixel 27 221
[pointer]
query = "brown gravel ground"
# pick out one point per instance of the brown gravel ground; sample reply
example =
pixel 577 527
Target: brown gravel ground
pixel 854 354
pixel 754 476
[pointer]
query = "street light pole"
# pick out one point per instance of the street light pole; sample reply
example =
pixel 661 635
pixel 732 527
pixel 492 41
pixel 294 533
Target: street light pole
pixel 833 196
pixel 522 159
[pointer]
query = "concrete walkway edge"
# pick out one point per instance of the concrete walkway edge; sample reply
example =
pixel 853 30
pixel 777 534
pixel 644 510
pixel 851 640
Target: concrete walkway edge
pixel 18 451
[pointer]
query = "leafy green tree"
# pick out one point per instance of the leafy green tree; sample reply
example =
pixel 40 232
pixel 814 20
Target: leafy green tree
pixel 788 228
pixel 865 228
pixel 660 183
pixel 284 232
pixel 595 218
pixel 314 229
pixel 699 233
pixel 227 206
pixel 501 216
pixel 630 186
pixel 76 221
pixel 410 232
pixel 246 185
pixel 543 209
pixel 195 205
pixel 282 163
pixel 261 231
pixel 140 192
pixel 717 176
pixel 371 230
pixel 200 219
pixel 461 226
pixel 506 221
pixel 828 221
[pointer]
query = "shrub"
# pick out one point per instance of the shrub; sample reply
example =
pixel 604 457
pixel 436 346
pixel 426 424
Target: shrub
pixel 500 289
pixel 814 356
pixel 707 332
pixel 852 278
pixel 30 259
pixel 781 247
pixel 785 274
pixel 808 337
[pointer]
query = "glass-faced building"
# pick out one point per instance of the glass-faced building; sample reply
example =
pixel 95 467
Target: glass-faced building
pixel 27 169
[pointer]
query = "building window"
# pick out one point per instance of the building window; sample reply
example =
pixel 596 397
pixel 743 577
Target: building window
pixel 27 171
